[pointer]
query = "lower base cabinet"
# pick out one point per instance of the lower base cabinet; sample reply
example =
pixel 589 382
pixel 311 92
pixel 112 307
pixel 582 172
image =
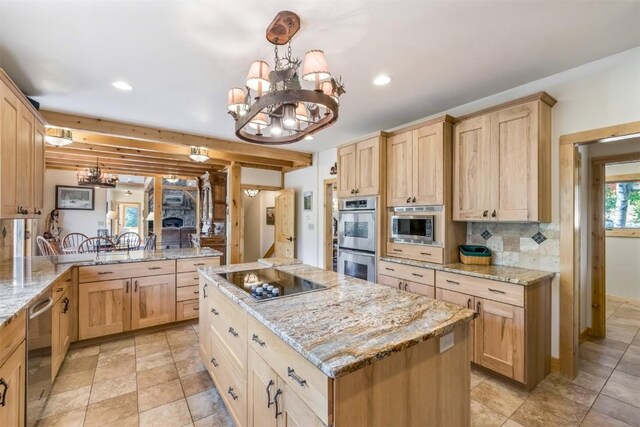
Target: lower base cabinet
pixel 13 388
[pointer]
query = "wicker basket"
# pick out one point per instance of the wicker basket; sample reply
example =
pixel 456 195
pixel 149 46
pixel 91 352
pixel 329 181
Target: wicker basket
pixel 475 255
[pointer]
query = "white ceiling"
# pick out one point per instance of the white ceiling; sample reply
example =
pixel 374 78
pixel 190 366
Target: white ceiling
pixel 183 56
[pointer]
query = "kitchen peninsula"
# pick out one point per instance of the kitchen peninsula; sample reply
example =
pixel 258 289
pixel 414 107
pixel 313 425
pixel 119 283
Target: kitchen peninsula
pixel 353 353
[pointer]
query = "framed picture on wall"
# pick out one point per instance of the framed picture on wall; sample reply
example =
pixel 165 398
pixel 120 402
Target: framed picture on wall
pixel 74 198
pixel 271 216
pixel 307 200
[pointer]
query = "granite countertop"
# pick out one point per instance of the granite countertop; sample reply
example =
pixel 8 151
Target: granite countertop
pixel 23 280
pixel 514 275
pixel 349 325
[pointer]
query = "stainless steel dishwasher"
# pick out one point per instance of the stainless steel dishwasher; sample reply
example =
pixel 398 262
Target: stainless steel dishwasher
pixel 38 358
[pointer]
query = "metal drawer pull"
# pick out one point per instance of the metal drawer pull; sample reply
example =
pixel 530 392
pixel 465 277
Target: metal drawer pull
pixel 399 285
pixel 257 339
pixel 230 391
pixel 390 269
pixel 196 291
pixel 405 285
pixel 292 374
pixel 195 278
pixel 498 291
pixel 214 362
pixel 269 402
pixel 59 290
pixel 68 280
pixel 469 303
pixel 214 311
pixel 397 250
pixel 199 264
pixel 127 287
pixel 155 268
pixel 417 275
pixel 105 272
pixel 65 300
pixel 233 332
pixel 425 253
pixel 453 282
pixel 3 395
pixel 275 400
pixel 478 307
pixel 204 290
pixel 136 286
pixel 196 308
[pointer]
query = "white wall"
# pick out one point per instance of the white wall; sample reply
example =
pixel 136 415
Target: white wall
pixel 267 232
pixel 86 222
pixel 622 253
pixel 598 94
pixel 252 176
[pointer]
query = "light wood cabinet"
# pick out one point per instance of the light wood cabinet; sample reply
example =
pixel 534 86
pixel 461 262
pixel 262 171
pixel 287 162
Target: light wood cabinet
pixel 104 308
pixel 62 325
pixel 21 154
pixel 359 168
pixel 204 322
pixel 416 166
pixel 153 301
pixel 13 383
pixel 501 160
pixel 188 285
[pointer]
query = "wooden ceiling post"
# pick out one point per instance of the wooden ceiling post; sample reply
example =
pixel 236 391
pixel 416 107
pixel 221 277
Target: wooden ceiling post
pixel 235 214
pixel 157 209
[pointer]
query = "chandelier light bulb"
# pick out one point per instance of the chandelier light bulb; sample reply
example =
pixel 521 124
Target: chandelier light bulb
pixel 289 116
pixel 276 126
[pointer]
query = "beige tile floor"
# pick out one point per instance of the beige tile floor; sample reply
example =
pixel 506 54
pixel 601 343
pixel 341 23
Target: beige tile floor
pixel 157 379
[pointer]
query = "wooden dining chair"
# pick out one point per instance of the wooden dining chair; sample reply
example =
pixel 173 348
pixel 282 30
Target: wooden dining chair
pixel 46 248
pixel 129 241
pixel 73 240
pixel 150 244
pixel 95 244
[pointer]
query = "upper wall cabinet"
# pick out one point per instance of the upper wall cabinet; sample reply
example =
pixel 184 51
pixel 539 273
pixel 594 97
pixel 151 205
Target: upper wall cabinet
pixel 416 166
pixel 501 159
pixel 21 154
pixel 359 168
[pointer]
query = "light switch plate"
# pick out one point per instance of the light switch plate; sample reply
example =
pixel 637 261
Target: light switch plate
pixel 446 342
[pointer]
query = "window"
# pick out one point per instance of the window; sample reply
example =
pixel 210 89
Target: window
pixel 622 205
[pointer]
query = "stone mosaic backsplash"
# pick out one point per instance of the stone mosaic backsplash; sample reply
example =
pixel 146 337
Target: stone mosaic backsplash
pixel 526 245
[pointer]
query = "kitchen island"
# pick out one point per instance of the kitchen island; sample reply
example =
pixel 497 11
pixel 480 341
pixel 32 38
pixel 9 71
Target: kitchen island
pixel 355 353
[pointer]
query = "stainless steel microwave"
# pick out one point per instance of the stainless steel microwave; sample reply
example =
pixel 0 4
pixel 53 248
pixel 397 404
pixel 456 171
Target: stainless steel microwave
pixel 415 225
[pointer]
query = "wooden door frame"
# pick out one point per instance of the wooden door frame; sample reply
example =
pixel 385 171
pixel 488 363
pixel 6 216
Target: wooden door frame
pixel 570 238
pixel 598 242
pixel 328 187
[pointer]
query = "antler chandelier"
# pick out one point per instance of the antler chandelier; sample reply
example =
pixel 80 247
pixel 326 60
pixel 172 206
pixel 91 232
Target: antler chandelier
pixel 94 177
pixel 275 109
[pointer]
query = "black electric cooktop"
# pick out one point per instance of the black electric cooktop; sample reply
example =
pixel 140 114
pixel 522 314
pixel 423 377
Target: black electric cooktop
pixel 268 283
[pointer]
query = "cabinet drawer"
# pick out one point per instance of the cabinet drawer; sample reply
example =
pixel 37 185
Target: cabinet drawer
pixel 60 286
pixel 392 282
pixel 187 279
pixel 306 380
pixel 12 334
pixel 124 271
pixel 193 264
pixel 187 293
pixel 483 288
pixel 187 309
pixel 419 288
pixel 230 385
pixel 424 276
pixel 230 322
pixel 416 252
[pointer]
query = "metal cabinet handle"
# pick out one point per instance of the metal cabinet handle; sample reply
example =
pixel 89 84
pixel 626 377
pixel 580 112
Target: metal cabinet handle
pixel 292 374
pixel 127 287
pixel 397 250
pixel 357 190
pixel 155 268
pixel 399 284
pixel 104 272
pixel 425 253
pixel 68 280
pixel 59 290
pixel 3 395
pixel 389 269
pixel 469 303
pixel 135 289
pixel 233 332
pixel 414 199
pixel 37 212
pixel 417 275
pixel 199 264
pixel 408 199
pixel 485 213
pixel 196 291
pixel 65 301
pixel 215 312
pixel 196 308
pixel 453 282
pixel 257 339
pixel 478 307
pixel 353 191
pixel 405 285
pixel 497 291
pixel 230 391
pixel 493 214
pixel 214 362
pixel 269 402
pixel 204 291
pixel 275 400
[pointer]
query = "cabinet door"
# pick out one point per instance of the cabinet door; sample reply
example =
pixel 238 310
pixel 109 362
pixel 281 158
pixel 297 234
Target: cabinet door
pixel 514 163
pixel 104 308
pixel 153 301
pixel 419 288
pixel 399 170
pixel 465 301
pixel 471 169
pixel 12 389
pixel 368 167
pixel 38 170
pixel 292 412
pixel 203 319
pixel 9 113
pixel 263 384
pixel 26 137
pixel 392 282
pixel 428 162
pixel 347 171
pixel 499 338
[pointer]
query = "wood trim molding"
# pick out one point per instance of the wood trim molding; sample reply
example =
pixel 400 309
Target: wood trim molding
pixel 540 96
pixel 446 119
pixel 594 135
pixel 630 177
pixel 584 335
pixel 328 215
pixel 623 232
pixel 260 187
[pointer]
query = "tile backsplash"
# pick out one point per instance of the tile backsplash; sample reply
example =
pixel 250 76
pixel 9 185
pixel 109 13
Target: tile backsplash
pixel 526 245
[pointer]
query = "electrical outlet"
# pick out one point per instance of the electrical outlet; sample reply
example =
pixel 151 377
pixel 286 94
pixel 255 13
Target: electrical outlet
pixel 446 342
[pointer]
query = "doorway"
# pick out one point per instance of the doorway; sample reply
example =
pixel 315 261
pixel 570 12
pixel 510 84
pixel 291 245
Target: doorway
pixel 331 224
pixel 258 223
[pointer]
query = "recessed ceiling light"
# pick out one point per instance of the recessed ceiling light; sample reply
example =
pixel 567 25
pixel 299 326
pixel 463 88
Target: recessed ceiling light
pixel 381 80
pixel 308 137
pixel 122 85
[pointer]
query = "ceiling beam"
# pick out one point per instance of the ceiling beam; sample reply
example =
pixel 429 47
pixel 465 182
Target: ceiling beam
pixel 108 165
pixel 113 171
pixel 116 170
pixel 145 133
